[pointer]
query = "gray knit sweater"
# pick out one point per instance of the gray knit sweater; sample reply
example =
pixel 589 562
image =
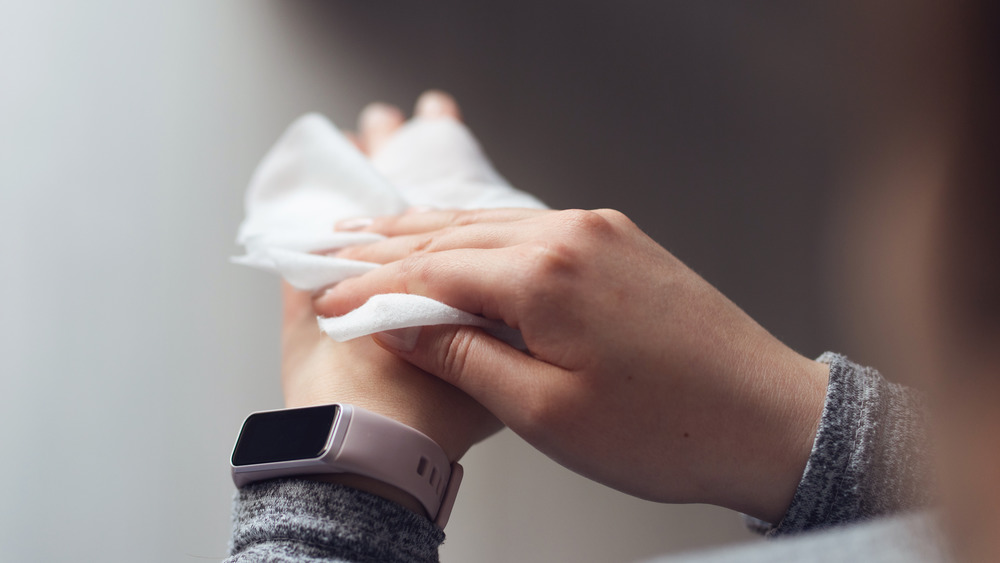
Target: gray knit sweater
pixel 867 469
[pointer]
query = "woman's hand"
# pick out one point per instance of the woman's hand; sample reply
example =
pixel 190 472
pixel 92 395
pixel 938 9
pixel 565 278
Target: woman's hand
pixel 639 375
pixel 316 369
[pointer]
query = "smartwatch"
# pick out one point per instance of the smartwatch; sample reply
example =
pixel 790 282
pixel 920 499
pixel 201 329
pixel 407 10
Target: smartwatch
pixel 343 438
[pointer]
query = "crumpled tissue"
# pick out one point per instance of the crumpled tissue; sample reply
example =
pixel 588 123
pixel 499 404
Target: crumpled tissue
pixel 314 176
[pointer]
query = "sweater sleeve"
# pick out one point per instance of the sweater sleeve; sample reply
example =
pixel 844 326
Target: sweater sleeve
pixel 869 457
pixel 285 520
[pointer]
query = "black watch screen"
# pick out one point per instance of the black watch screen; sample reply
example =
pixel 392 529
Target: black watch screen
pixel 284 435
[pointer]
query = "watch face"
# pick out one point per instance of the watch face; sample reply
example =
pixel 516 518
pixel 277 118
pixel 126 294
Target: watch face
pixel 284 435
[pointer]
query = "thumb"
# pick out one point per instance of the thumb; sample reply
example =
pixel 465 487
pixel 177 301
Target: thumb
pixel 501 378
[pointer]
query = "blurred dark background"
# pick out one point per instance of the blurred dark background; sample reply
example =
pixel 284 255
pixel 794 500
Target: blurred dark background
pixel 712 126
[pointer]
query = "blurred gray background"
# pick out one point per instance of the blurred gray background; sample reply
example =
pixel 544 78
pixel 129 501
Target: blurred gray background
pixel 130 349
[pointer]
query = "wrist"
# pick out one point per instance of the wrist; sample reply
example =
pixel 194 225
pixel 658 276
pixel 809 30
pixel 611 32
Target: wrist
pixel 431 424
pixel 361 373
pixel 779 413
pixel 796 419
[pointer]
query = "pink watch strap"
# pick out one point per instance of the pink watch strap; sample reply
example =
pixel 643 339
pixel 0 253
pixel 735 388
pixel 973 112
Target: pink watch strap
pixel 392 452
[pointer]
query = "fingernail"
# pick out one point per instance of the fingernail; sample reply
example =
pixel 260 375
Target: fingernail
pixel 402 339
pixel 377 115
pixel 355 224
pixel 418 209
pixel 436 104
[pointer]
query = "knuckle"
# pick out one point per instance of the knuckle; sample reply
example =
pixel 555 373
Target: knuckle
pixel 549 265
pixel 428 242
pixel 551 259
pixel 614 217
pixel 421 244
pixel 414 270
pixel 466 218
pixel 454 356
pixel 439 240
pixel 583 221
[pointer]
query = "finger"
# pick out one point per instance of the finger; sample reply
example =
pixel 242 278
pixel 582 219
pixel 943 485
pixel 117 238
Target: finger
pixel 354 139
pixel 413 223
pixel 482 236
pixel 377 124
pixel 476 281
pixel 435 104
pixel 509 383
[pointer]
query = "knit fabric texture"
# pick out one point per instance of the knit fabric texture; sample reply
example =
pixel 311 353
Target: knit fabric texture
pixel 285 520
pixel 869 458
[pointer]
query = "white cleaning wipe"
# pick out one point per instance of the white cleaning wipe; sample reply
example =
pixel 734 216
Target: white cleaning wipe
pixel 438 163
pixel 303 270
pixel 314 177
pixel 390 311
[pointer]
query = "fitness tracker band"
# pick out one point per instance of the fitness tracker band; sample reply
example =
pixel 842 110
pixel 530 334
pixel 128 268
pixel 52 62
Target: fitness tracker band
pixel 342 438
